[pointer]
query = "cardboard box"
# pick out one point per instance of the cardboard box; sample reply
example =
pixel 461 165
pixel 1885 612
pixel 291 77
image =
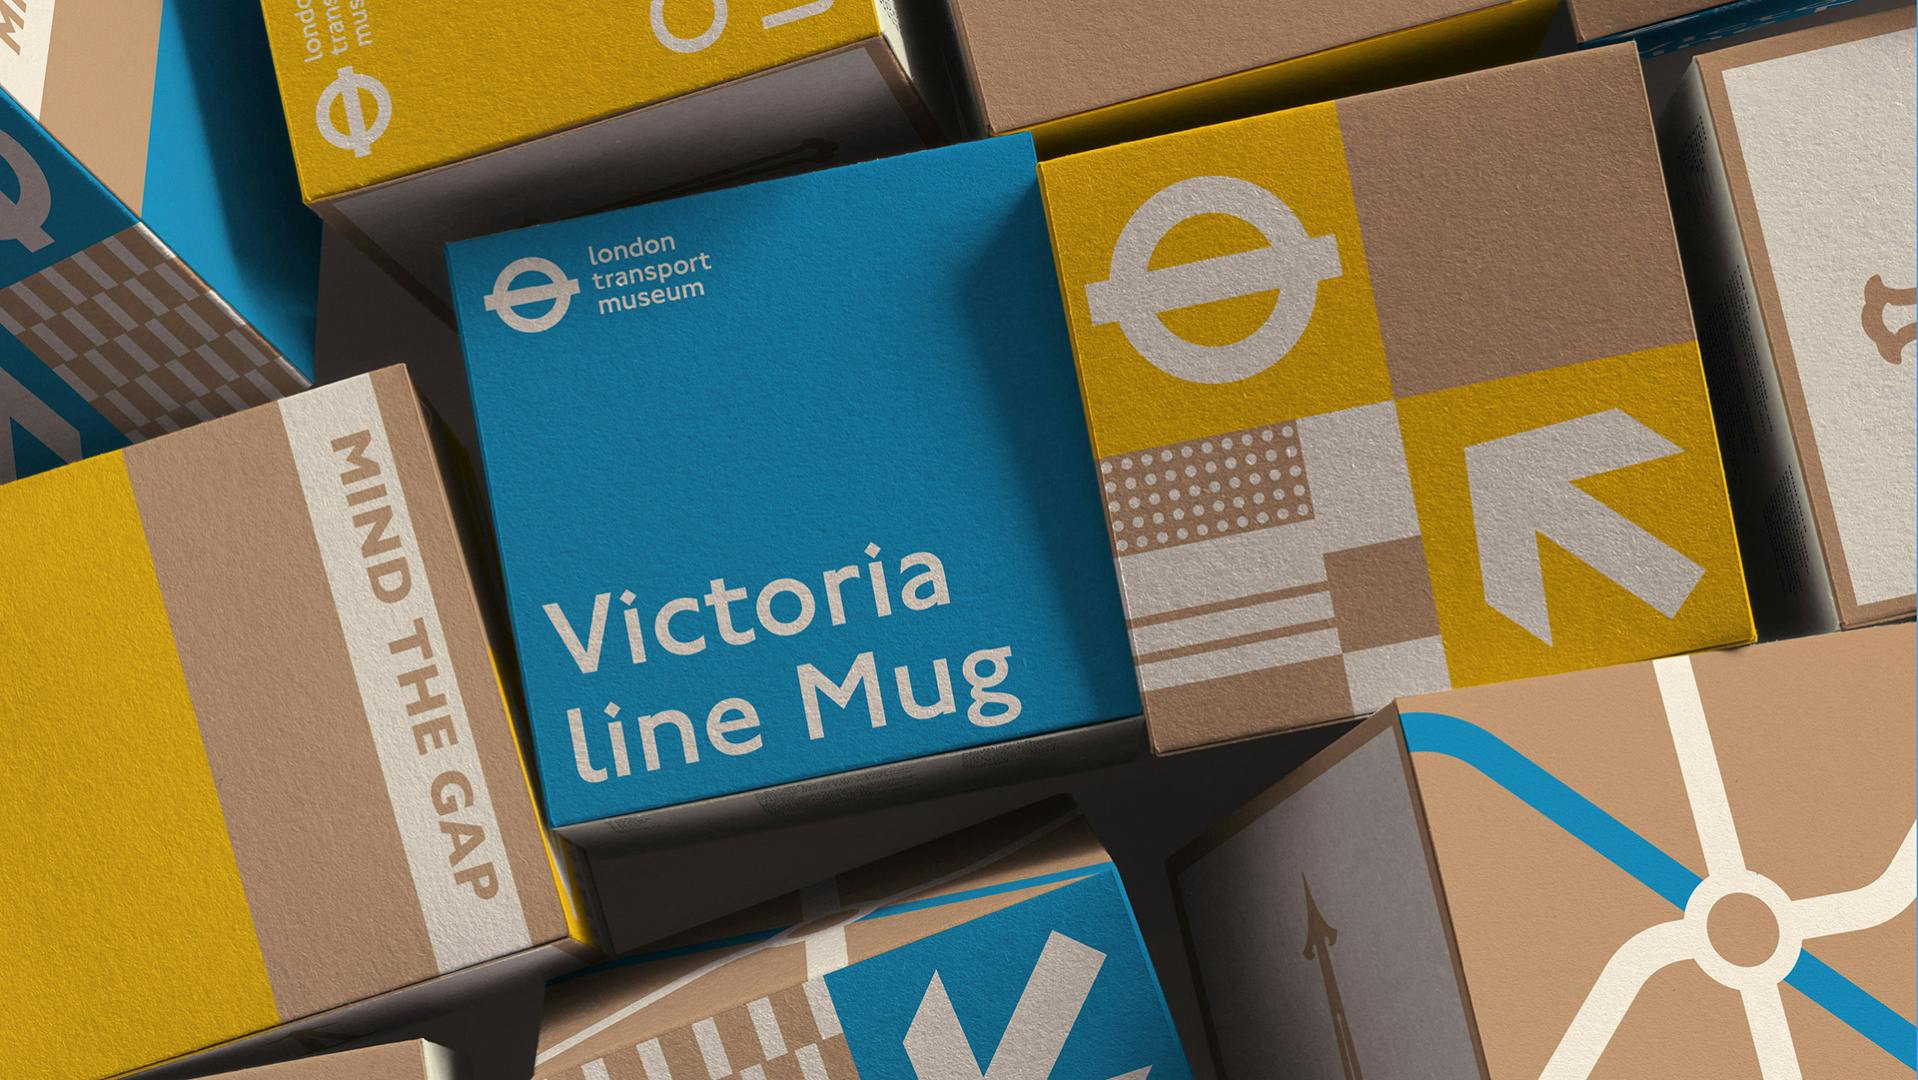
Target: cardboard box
pixel 261 780
pixel 1324 498
pixel 156 269
pixel 1081 74
pixel 791 480
pixel 1663 26
pixel 1696 866
pixel 416 1060
pixel 1008 949
pixel 1791 162
pixel 413 129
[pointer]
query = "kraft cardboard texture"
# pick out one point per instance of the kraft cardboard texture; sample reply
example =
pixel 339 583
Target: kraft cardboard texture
pixel 1698 865
pixel 1083 75
pixel 416 1060
pixel 1008 948
pixel 413 130
pixel 1347 370
pixel 1663 26
pixel 1812 135
pixel 262 767
pixel 155 270
pixel 898 554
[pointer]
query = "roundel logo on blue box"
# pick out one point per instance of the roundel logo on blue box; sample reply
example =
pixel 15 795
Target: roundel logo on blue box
pixel 790 479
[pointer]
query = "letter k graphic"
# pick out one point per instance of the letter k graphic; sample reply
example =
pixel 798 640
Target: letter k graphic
pixel 1041 1021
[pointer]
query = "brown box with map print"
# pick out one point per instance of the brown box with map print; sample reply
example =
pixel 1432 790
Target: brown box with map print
pixel 1693 866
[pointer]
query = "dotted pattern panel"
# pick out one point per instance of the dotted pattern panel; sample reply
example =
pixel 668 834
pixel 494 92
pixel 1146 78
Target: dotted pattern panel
pixel 1205 488
pixel 142 339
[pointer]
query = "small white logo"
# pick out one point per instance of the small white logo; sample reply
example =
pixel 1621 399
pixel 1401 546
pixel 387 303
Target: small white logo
pixel 358 135
pixel 25 220
pixel 506 299
pixel 1134 296
pixel 716 25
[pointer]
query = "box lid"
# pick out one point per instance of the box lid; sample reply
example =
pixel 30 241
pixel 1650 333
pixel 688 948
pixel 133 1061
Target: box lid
pixel 896 503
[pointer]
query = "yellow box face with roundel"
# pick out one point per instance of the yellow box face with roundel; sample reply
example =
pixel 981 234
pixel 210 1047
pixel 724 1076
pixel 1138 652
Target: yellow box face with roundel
pixel 1394 394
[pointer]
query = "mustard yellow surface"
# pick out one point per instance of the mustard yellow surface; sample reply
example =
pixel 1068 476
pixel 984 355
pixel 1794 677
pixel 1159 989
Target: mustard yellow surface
pixel 124 931
pixel 470 77
pixel 1679 499
pixel 1501 33
pixel 1339 362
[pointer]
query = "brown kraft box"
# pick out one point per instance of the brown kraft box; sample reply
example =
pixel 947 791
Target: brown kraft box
pixel 1696 866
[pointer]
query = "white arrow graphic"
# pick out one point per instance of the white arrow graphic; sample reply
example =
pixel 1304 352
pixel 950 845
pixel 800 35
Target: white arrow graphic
pixel 1047 1009
pixel 1522 489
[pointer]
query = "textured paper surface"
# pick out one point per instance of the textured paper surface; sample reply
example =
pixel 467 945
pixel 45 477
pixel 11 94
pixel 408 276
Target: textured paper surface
pixel 912 404
pixel 1825 140
pixel 1382 404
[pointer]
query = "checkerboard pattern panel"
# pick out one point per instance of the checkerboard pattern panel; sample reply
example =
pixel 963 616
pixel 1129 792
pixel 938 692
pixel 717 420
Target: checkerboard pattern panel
pixel 142 339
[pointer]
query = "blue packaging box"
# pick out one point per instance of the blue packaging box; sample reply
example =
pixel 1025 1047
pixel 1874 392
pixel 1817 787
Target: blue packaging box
pixel 157 267
pixel 790 480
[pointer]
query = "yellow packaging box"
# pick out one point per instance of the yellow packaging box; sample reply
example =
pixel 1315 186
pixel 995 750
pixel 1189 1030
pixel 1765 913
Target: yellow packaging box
pixel 1080 74
pixel 262 789
pixel 1394 394
pixel 415 124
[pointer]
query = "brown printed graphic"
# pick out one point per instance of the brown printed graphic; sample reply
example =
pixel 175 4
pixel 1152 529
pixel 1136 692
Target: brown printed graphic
pixel 1889 339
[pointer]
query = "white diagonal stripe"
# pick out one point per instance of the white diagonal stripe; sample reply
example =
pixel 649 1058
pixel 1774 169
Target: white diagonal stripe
pixel 811 1065
pixel 772 1042
pixel 825 947
pixel 1617 986
pixel 1698 764
pixel 824 1015
pixel 1771 1033
pixel 718 1066
pixel 653 1060
pixel 595 1070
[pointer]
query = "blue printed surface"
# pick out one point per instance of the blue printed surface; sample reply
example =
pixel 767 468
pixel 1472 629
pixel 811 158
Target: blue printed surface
pixel 220 186
pixel 847 396
pixel 1093 992
pixel 1710 24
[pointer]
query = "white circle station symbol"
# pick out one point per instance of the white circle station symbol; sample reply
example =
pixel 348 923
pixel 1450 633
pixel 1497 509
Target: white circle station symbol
pixel 508 296
pixel 359 133
pixel 1134 296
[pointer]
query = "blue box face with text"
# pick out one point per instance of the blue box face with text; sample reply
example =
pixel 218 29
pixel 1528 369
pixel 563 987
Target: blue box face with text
pixel 790 479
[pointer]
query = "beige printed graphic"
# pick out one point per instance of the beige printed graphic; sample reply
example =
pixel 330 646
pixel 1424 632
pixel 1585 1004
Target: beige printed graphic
pixel 1888 336
pixel 272 683
pixel 1256 558
pixel 792 1033
pixel 142 339
pixel 1727 878
pixel 413 698
pixel 753 1000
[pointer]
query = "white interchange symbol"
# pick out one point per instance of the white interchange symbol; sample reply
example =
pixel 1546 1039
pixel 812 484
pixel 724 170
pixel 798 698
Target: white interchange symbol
pixel 1041 1021
pixel 25 219
pixel 1522 489
pixel 359 133
pixel 508 297
pixel 1726 874
pixel 1134 295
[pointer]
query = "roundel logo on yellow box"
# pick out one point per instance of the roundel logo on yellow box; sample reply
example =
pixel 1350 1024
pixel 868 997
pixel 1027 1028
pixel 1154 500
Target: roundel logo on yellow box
pixel 1218 285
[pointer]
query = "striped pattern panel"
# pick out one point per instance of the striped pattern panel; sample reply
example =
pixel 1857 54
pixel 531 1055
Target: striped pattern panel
pixel 793 1034
pixel 1202 489
pixel 142 339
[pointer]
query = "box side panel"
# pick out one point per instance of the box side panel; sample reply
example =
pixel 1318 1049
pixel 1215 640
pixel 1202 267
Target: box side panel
pixel 219 186
pixel 1317 935
pixel 127 933
pixel 1784 569
pixel 1499 33
pixel 829 110
pixel 1817 143
pixel 1111 743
